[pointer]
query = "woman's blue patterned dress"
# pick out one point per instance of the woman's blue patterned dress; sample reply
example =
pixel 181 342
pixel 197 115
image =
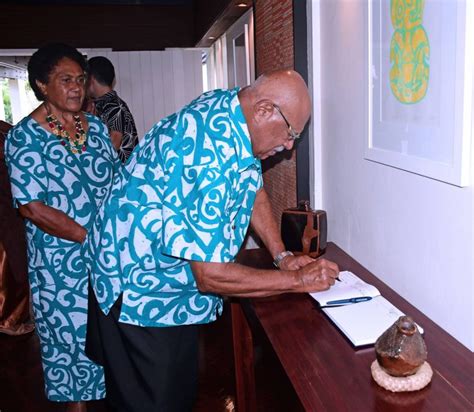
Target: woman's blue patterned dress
pixel 42 169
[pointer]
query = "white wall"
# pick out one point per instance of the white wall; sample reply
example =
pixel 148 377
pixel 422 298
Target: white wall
pixel 217 64
pixel 221 62
pixel 155 84
pixel 415 233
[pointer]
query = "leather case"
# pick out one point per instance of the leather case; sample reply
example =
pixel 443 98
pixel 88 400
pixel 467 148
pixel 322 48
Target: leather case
pixel 303 230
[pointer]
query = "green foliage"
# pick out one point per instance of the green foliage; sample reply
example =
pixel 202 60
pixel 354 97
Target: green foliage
pixel 6 100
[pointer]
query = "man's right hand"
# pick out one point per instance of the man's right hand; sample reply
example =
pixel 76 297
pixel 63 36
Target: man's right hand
pixel 317 276
pixel 234 279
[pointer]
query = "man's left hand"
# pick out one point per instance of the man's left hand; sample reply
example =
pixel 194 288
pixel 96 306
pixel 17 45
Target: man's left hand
pixel 295 262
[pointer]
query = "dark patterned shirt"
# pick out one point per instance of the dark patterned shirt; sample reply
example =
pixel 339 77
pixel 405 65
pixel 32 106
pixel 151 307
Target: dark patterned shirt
pixel 115 113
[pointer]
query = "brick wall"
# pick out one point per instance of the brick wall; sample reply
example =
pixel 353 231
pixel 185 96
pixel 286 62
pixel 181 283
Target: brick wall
pixel 274 50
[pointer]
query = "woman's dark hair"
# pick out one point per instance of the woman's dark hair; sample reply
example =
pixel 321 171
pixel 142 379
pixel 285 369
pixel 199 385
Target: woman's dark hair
pixel 43 61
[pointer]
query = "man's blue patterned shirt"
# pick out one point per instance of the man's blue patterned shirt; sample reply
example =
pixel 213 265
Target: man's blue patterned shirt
pixel 186 193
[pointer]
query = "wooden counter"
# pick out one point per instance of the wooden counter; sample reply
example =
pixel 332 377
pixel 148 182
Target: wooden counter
pixel 326 371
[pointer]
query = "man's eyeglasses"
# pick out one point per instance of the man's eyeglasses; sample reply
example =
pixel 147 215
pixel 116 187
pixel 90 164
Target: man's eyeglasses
pixel 293 135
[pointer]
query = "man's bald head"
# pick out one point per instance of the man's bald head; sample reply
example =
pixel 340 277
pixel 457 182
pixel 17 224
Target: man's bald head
pixel 273 100
pixel 285 88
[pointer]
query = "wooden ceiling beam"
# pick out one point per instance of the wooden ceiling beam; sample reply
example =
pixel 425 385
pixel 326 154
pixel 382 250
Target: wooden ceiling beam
pixel 227 15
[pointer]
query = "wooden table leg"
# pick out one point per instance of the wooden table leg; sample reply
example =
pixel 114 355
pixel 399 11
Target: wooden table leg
pixel 243 360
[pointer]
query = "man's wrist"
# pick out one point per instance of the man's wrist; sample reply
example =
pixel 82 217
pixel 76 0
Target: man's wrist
pixel 278 258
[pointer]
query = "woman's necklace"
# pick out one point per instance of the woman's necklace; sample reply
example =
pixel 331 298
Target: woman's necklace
pixel 75 144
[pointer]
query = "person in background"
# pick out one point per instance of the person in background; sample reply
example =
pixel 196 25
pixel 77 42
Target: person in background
pixel 61 165
pixel 15 318
pixel 163 244
pixel 113 111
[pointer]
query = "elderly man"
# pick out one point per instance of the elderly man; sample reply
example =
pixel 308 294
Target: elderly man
pixel 163 247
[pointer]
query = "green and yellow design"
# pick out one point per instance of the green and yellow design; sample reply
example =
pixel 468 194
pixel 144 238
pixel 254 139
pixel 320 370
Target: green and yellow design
pixel 409 51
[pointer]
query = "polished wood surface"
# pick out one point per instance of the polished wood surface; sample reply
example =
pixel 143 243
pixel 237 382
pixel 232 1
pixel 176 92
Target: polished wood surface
pixel 243 356
pixel 329 374
pixel 125 25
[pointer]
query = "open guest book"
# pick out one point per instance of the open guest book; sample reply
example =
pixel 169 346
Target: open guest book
pixel 358 309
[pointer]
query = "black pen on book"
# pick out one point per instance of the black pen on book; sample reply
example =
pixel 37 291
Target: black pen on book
pixel 349 300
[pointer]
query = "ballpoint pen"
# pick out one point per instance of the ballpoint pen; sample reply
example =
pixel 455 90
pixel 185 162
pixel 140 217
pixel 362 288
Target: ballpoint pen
pixel 349 300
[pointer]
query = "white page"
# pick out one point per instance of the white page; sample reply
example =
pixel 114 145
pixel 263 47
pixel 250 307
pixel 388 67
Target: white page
pixel 349 286
pixel 364 322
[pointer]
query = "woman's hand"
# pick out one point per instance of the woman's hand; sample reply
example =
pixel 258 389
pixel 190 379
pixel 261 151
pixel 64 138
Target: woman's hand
pixel 53 221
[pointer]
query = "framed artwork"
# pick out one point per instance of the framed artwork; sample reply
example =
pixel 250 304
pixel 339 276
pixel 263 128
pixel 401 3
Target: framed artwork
pixel 420 78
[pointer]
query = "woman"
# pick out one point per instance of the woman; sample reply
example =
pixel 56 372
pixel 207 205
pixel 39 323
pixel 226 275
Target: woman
pixel 61 164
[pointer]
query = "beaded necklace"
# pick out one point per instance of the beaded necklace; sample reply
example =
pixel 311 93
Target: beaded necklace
pixel 75 144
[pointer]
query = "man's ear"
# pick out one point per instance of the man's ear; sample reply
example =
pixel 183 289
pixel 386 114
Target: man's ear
pixel 263 109
pixel 91 85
